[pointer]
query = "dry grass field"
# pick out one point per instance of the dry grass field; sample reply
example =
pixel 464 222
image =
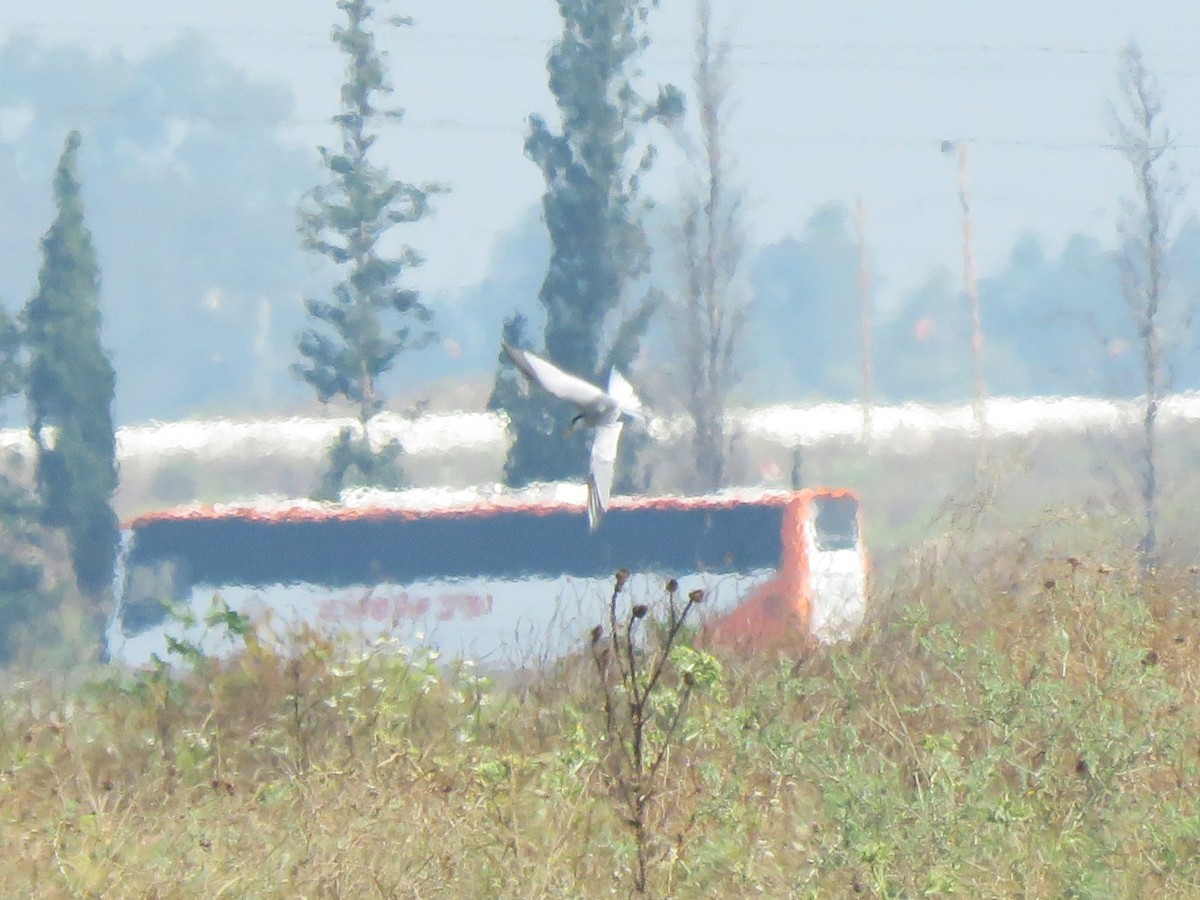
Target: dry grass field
pixel 1029 732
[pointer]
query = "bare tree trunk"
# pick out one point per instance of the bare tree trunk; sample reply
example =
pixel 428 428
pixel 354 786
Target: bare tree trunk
pixel 711 250
pixel 367 407
pixel 865 319
pixel 1151 344
pixel 1144 141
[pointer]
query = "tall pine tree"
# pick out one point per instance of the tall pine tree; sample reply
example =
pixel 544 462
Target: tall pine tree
pixel 592 207
pixel 70 388
pixel 371 318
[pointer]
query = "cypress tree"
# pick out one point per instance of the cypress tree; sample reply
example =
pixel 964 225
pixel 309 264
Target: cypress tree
pixel 592 208
pixel 70 387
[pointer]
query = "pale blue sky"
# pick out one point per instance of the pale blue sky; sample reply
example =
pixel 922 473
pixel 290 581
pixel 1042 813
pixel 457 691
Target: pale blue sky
pixel 833 102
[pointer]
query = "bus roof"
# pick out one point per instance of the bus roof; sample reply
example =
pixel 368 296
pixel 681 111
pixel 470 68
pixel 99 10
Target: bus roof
pixel 447 503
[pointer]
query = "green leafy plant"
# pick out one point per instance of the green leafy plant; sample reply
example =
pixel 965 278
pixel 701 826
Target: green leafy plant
pixel 647 678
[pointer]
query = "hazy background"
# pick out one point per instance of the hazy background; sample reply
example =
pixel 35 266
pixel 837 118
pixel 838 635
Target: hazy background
pixel 200 125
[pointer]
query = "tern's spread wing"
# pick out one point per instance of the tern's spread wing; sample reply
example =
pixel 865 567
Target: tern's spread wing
pixel 555 381
pixel 600 479
pixel 622 392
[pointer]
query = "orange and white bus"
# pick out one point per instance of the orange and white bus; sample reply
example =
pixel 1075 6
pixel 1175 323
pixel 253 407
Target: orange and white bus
pixel 505 580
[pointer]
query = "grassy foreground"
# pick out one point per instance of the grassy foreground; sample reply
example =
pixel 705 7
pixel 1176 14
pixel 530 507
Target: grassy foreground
pixel 1036 737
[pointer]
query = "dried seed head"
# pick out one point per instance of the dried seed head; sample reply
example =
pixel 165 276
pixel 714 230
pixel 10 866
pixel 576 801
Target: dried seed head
pixel 597 633
pixel 696 596
pixel 689 679
pixel 622 577
pixel 639 611
pixel 672 586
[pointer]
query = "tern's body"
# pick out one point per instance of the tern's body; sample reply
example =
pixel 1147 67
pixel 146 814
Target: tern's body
pixel 598 409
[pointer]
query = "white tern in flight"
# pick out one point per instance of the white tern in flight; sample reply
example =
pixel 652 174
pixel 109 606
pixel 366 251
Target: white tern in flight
pixel 598 409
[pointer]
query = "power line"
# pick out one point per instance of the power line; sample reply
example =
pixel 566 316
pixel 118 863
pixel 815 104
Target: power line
pixel 424 42
pixel 424 37
pixel 449 124
pixel 872 57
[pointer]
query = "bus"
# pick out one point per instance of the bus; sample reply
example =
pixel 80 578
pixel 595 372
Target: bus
pixel 506 579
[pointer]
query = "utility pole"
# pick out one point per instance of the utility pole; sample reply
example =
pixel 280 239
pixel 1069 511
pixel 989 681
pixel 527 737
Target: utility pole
pixel 866 316
pixel 971 289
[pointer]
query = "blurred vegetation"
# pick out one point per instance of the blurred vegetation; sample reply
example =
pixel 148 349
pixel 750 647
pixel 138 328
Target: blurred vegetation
pixel 190 193
pixel 1025 727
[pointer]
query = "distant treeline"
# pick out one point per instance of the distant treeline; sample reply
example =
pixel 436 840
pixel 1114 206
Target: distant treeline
pixel 191 193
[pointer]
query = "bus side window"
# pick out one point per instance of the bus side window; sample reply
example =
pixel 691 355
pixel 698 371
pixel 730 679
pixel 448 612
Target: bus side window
pixel 150 588
pixel 836 523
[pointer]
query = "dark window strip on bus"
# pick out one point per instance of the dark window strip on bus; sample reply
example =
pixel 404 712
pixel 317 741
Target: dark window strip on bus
pixel 504 546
